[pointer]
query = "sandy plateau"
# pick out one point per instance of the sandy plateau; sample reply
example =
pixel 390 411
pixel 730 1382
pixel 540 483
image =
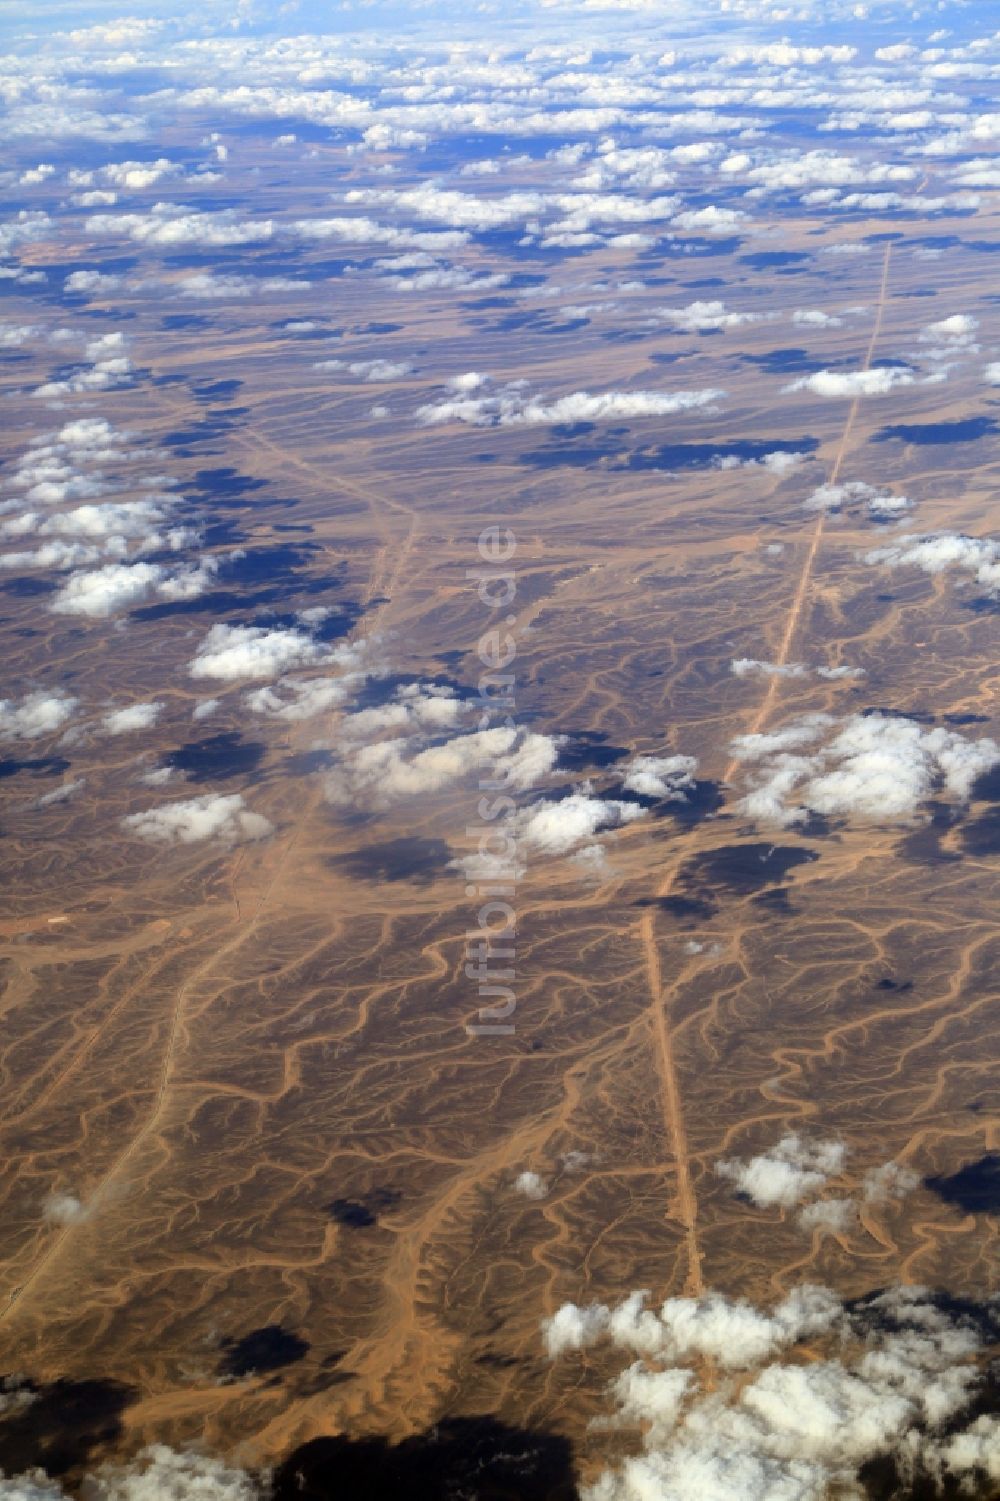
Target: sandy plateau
pixel 250 1066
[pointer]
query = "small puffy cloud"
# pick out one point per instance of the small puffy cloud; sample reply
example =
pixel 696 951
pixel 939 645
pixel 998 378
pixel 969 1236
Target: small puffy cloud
pixel 12 336
pixel 832 497
pixel 592 860
pixel 370 371
pixel 158 777
pixel 852 383
pixel 156 1474
pixel 746 667
pixel 991 374
pixel 471 380
pixel 112 525
pixel 27 226
pixel 699 316
pixel 575 1328
pixel 815 318
pixel 756 747
pixel 63 1208
pixel 880 505
pixel 512 407
pixel 839 674
pixel 92 283
pixel 134 717
pixel 651 1400
pixel 60 794
pixel 118 586
pixel 295 701
pixel 38 713
pixel 139 174
pixel 531 1185
pixel 461 211
pixel 794 1170
pixel 214 816
pixel 34 175
pixel 974 1452
pixel 21 274
pixel 730 1332
pixel 129 31
pixel 637 167
pixel 806 172
pixel 958 330
pixel 415 708
pixel 874 768
pixel 785 54
pixel 555 828
pixel 364 231
pixel 387 770
pixel 207 286
pixel 661 776
pixel 891 1180
pixel 829 1216
pixel 947 340
pixel 781 461
pixel 710 220
pixel 191 581
pixel 252 651
pixel 94 198
pixel 980 172
pixel 170 224
pixel 109 367
pixel 734 1333
pixel 52 555
pixel 87 438
pixel 939 552
pixel 422 273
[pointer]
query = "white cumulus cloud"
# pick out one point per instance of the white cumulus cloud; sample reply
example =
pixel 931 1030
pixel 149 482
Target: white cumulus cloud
pixel 938 552
pixel 38 713
pixel 531 1185
pixel 557 827
pixel 793 1170
pixel 511 407
pixel 874 767
pixel 252 651
pixel 661 776
pixel 896 1382
pixel 851 383
pixel 134 717
pixel 213 816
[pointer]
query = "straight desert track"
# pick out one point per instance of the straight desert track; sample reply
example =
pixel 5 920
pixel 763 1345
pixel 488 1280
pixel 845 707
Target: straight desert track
pixel 670 1091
